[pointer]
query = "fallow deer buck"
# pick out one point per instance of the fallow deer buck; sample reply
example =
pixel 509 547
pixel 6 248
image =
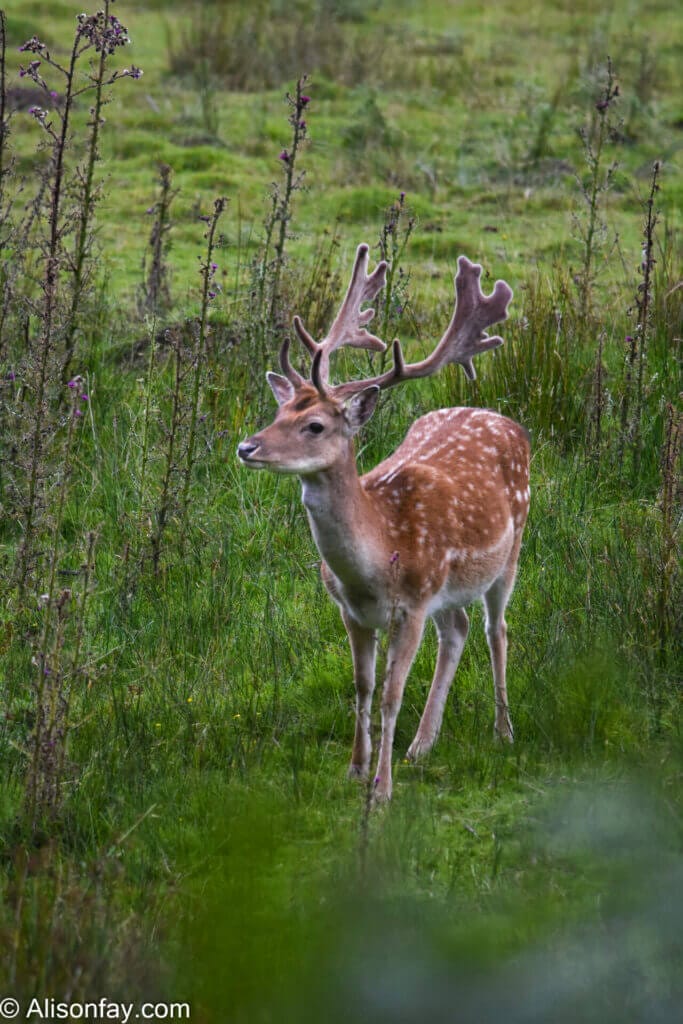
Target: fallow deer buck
pixel 428 531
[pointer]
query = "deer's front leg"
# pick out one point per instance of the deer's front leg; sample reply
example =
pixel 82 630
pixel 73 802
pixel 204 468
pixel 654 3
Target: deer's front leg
pixel 405 636
pixel 363 650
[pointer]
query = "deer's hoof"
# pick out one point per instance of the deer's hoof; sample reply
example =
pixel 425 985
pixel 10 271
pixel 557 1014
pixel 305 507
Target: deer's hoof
pixel 503 732
pixel 381 794
pixel 418 748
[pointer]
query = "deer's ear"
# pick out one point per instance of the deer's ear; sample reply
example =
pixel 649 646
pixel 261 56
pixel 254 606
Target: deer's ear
pixel 359 408
pixel 281 387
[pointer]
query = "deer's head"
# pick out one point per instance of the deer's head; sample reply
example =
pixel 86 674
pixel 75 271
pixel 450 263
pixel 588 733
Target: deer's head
pixel 315 420
pixel 311 430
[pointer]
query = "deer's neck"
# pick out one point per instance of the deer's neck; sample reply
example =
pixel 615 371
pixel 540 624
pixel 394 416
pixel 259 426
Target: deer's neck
pixel 342 519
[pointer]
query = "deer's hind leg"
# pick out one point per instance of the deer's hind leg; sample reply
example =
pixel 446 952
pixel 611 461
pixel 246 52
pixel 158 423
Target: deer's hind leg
pixel 495 603
pixel 452 626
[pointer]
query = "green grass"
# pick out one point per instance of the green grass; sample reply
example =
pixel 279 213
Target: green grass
pixel 209 847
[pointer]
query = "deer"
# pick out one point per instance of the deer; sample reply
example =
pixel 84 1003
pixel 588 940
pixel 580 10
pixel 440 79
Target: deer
pixel 433 528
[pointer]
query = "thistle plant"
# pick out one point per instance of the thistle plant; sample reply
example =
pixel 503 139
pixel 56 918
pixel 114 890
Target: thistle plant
pixel 393 240
pixel 293 182
pixel 599 402
pixel 591 227
pixel 102 33
pixel 267 314
pixel 9 265
pixel 636 356
pixel 182 423
pixel 210 288
pixel 54 669
pixel 4 125
pixel 668 607
pixel 155 292
pixel 172 455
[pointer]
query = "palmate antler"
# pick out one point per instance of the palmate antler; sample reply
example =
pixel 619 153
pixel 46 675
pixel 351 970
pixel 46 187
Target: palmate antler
pixel 349 324
pixel 465 336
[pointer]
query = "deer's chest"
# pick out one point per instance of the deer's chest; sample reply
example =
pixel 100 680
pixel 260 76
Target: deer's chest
pixel 366 606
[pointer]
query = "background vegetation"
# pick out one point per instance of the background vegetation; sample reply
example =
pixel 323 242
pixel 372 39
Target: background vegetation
pixel 175 821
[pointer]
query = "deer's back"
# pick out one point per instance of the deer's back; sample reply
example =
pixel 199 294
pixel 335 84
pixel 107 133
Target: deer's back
pixel 471 448
pixel 457 485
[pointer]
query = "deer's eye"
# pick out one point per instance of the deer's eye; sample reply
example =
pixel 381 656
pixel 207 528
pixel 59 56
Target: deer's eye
pixel 314 427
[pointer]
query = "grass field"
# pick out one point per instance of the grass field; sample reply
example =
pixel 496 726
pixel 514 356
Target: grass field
pixel 175 819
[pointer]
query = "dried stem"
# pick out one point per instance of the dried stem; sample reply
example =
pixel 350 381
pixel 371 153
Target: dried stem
pixel 209 290
pixel 644 301
pixel 47 316
pixel 86 208
pixel 156 295
pixel 293 182
pixel 594 140
pixel 669 500
pixel 3 100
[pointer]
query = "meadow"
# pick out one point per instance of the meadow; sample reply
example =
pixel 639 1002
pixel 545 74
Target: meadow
pixel 177 698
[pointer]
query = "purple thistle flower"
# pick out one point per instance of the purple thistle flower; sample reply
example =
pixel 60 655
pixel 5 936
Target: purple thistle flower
pixel 284 156
pixel 11 375
pixel 72 383
pixel 85 398
pixel 77 412
pixel 212 295
pixel 32 45
pixel 305 100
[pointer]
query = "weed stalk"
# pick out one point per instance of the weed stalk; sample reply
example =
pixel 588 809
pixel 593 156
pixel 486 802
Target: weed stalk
pixel 210 289
pixel 393 240
pixel 644 299
pixel 43 790
pixel 155 297
pixel 105 33
pixel 669 503
pixel 593 227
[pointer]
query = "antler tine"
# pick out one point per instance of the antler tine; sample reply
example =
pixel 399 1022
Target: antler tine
pixel 305 337
pixel 317 379
pixel 349 326
pixel 464 338
pixel 290 373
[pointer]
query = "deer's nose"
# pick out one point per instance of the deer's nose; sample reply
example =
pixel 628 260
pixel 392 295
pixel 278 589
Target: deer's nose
pixel 247 448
